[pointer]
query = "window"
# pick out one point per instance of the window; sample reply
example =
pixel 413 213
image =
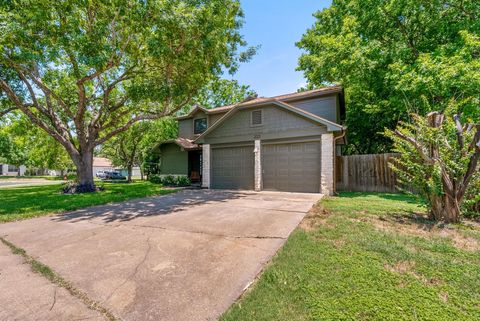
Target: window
pixel 12 168
pixel 199 125
pixel 256 118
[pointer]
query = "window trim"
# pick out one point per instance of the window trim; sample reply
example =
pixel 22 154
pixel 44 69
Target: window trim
pixel 251 118
pixel 194 128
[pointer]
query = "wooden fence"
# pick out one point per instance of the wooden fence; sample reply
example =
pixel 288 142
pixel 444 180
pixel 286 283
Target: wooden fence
pixel 365 173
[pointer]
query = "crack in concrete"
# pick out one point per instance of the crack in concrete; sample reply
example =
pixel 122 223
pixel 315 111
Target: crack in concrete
pixel 135 271
pixel 54 298
pixel 213 234
pixel 194 231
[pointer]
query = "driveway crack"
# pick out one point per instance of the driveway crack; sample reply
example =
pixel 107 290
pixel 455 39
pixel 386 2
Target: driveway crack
pixel 54 298
pixel 213 234
pixel 135 271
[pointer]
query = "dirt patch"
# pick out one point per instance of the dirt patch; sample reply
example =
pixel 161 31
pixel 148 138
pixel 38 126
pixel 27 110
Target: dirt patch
pixel 315 217
pixel 418 225
pixel 408 267
pixel 401 267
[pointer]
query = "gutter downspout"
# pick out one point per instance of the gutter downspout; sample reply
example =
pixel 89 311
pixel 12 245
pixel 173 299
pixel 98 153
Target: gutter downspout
pixel 344 132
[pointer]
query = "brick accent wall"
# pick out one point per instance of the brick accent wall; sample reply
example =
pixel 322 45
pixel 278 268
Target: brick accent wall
pixel 206 165
pixel 326 175
pixel 258 165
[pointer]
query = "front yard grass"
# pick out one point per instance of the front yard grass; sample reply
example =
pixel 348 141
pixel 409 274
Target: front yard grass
pixel 369 256
pixel 25 202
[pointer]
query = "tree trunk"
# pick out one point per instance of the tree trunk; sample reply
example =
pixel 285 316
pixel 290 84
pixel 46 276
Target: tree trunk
pixel 141 173
pixel 129 169
pixel 445 208
pixel 84 165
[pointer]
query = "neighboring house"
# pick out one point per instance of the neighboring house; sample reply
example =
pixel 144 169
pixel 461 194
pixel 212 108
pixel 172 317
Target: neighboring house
pixel 282 143
pixel 104 164
pixel 11 170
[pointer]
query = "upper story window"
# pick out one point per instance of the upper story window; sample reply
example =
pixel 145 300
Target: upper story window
pixel 256 118
pixel 199 125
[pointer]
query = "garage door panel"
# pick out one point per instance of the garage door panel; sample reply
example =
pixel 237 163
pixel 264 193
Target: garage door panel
pixel 291 167
pixel 233 167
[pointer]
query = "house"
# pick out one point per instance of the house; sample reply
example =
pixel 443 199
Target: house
pixel 11 170
pixel 104 164
pixel 282 143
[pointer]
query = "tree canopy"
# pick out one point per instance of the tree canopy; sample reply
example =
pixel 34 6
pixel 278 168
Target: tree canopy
pixel 394 58
pixel 85 71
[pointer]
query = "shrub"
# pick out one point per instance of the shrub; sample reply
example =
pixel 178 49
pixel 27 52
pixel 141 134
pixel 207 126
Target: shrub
pixel 182 180
pixel 440 160
pixel 168 180
pixel 155 178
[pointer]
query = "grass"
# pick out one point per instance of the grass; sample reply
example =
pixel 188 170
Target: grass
pixel 367 256
pixel 26 202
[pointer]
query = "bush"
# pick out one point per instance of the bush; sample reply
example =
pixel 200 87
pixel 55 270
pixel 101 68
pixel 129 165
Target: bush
pixel 169 180
pixel 183 181
pixel 155 178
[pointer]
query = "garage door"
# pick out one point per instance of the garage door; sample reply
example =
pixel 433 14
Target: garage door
pixel 291 167
pixel 233 168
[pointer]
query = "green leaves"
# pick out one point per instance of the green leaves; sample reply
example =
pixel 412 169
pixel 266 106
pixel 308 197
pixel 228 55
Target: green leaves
pixel 395 58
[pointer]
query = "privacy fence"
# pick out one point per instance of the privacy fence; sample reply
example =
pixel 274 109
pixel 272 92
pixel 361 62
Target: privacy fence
pixel 366 173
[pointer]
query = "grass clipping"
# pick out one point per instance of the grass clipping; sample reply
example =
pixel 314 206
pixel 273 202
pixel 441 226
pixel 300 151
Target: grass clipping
pixel 56 279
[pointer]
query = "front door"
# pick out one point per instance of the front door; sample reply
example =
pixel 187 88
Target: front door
pixel 195 166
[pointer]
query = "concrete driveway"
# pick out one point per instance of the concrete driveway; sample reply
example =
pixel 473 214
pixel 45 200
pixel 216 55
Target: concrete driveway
pixel 184 256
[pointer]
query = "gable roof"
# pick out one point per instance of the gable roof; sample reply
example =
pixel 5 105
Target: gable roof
pixel 331 126
pixel 284 98
pixel 185 143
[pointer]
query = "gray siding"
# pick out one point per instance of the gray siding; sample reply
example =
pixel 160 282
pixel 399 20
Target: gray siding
pixel 185 128
pixel 214 118
pixel 277 124
pixel 325 107
pixel 173 160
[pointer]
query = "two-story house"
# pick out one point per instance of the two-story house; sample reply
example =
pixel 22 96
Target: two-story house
pixel 282 143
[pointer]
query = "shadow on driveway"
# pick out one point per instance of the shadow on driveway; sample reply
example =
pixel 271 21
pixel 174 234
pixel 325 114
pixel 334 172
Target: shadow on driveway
pixel 152 206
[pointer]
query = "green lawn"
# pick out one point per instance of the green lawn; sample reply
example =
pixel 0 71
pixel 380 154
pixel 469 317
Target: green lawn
pixel 369 257
pixel 26 202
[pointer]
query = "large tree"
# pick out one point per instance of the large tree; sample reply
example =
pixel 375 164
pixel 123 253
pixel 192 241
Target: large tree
pixel 221 92
pixel 85 71
pixel 394 57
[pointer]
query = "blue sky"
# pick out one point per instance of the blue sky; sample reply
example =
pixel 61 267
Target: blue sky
pixel 276 26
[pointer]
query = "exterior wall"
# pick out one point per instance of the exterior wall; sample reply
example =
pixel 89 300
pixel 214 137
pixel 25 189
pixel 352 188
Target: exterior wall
pixel 277 124
pixel 327 171
pixel 214 118
pixel 185 128
pixel 325 107
pixel 173 160
pixel 206 165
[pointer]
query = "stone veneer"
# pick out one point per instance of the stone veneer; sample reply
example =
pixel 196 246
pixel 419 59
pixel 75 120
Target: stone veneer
pixel 327 155
pixel 206 165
